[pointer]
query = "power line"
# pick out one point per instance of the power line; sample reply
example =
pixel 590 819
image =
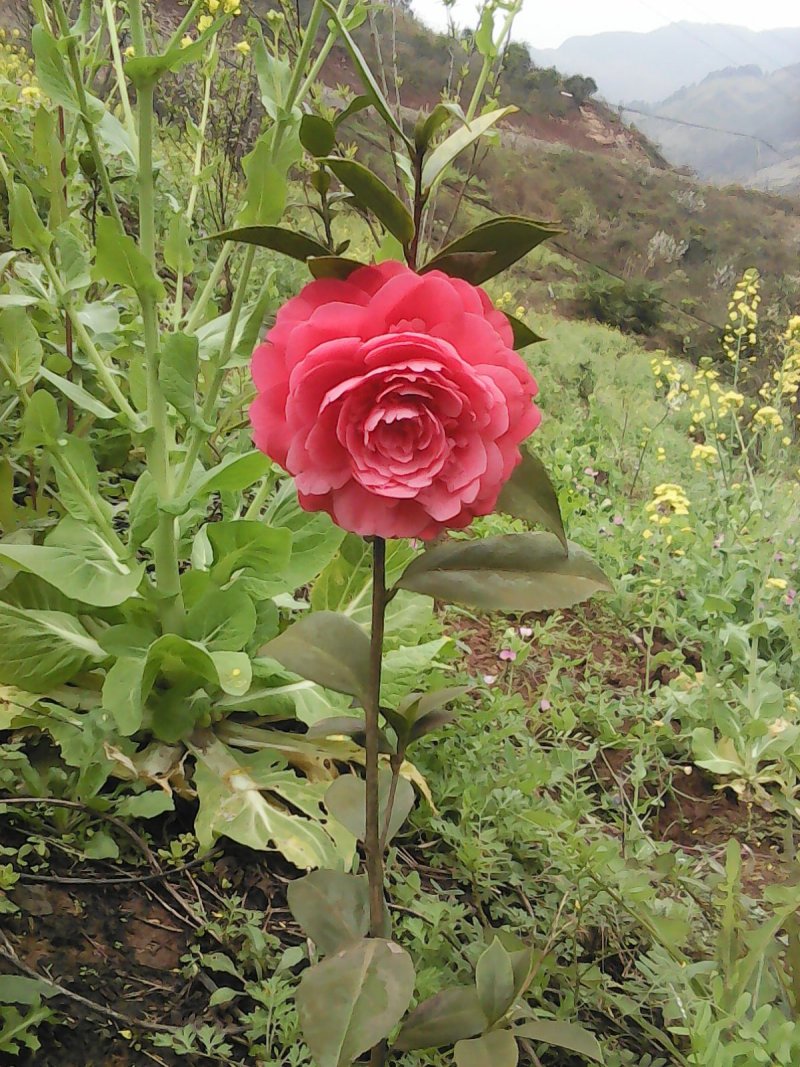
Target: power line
pixel 700 126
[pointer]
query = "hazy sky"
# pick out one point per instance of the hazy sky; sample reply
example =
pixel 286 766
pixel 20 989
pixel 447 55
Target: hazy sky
pixel 545 23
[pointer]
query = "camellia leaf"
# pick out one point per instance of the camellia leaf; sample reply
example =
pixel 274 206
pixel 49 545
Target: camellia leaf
pixel 331 907
pixel 120 262
pixel 494 981
pixel 288 242
pixel 332 266
pixel 352 1000
pixel 450 1016
pixel 80 563
pixel 442 156
pixel 325 648
pixel 317 135
pixel 529 494
pixel 358 103
pixel 516 572
pixel 562 1035
pixel 507 238
pixel 523 334
pixel 496 1049
pixel 40 649
pixel 346 800
pixel 374 195
pixel 371 88
pixel 429 125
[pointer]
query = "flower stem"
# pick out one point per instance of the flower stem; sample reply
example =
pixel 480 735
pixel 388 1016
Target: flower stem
pixel 372 840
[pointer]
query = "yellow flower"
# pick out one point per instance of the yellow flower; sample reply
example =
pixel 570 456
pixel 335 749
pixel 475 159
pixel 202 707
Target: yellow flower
pixel 205 22
pixel 213 6
pixel 647 534
pixel 786 441
pixel 706 453
pixel 776 583
pixel 242 47
pixel 31 93
pixel 768 418
pixel 186 41
pixel 130 51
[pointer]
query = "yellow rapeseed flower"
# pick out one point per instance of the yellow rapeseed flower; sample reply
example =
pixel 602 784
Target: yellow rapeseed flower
pixel 205 22
pixel 242 47
pixel 768 418
pixel 776 583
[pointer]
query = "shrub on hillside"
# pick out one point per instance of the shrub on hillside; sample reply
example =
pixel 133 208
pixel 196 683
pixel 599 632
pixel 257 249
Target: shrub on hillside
pixel 632 306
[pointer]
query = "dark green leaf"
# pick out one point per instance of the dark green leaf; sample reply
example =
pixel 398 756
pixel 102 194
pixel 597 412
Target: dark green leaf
pixel 497 1049
pixel 450 1016
pixel 288 242
pixel 317 135
pixel 442 156
pixel 429 125
pixel 494 981
pixel 517 572
pixel 328 649
pixel 120 262
pixel 358 103
pixel 466 265
pixel 523 334
pixel 374 195
pixel 346 800
pixel 529 494
pixel 371 88
pixel 332 266
pixel 352 1000
pixel 562 1035
pixel 331 907
pixel 508 238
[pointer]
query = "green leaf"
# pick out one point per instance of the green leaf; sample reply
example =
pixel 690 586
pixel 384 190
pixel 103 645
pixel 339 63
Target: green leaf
pixel 266 188
pixel 331 907
pixel 371 88
pixel 51 73
pixel 346 800
pixel 517 572
pixel 443 155
pixel 315 537
pixel 317 135
pixel 352 1000
pixel 177 373
pixel 73 262
pixel 15 989
pixel 244 797
pixel 328 649
pixel 427 712
pixel 101 846
pixel 234 671
pixel 332 266
pixel 78 395
pixel 497 1049
pixel 27 229
pixel 274 76
pixel 231 475
pixel 123 693
pixel 450 1016
pixel 41 649
pixel 484 35
pixel 375 196
pixel 358 103
pixel 529 495
pixel 500 242
pixel 494 981
pixel 144 70
pixel 177 249
pixel 20 347
pixel 79 563
pixel 250 547
pixel 142 510
pixel 523 334
pixel 562 1035
pixel 120 262
pixel 77 475
pixel 41 423
pixel 288 242
pixel 223 620
pixel 429 125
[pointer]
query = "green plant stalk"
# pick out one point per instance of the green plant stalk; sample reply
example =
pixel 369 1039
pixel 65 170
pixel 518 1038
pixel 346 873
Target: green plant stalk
pixel 195 189
pixel 94 147
pixel 185 22
pixel 108 8
pixel 372 837
pixel 159 444
pixel 488 63
pixel 137 28
pixel 201 303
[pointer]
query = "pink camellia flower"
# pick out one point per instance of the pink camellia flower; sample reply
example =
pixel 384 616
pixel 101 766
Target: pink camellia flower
pixel 395 399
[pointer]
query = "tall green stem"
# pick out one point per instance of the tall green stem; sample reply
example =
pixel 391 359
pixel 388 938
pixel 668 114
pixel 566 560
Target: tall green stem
pixel 160 441
pixel 108 8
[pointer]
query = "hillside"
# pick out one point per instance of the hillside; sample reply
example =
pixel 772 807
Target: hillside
pixel 651 66
pixel 746 99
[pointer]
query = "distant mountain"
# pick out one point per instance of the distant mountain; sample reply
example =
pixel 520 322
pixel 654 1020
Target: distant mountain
pixel 652 66
pixel 745 99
